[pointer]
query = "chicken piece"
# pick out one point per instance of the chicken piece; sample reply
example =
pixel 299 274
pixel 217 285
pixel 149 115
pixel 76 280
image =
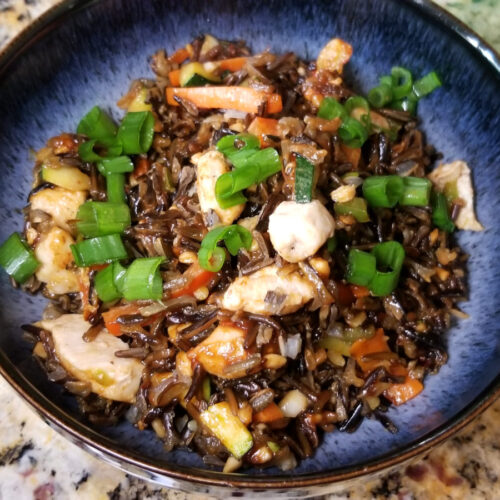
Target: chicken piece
pixel 298 230
pixel 224 346
pixel 54 254
pixel 334 55
pixel 95 362
pixel 210 166
pixel 458 174
pixel 61 204
pixel 267 291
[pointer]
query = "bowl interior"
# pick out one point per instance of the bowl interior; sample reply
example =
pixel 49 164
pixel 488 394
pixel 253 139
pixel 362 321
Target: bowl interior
pixel 92 56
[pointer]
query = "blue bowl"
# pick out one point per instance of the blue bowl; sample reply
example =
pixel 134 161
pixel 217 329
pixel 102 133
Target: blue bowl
pixel 81 55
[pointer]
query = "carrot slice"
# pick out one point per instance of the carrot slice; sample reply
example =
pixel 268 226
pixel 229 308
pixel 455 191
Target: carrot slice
pixel 233 64
pixel 179 56
pixel 362 347
pixel 113 314
pixel 360 291
pixel 270 413
pixel 401 393
pixel 262 127
pixel 175 77
pixel 239 98
pixel 197 277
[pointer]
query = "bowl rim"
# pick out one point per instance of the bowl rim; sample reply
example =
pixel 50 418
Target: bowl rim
pixel 179 476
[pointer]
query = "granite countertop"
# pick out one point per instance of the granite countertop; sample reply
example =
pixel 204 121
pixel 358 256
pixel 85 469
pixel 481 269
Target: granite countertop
pixel 36 462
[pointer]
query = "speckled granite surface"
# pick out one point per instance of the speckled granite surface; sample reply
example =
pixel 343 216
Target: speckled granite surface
pixel 35 462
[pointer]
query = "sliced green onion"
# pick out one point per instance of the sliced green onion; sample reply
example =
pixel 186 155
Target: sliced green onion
pixel 440 215
pixel 211 257
pixel 261 165
pixel 357 107
pixel 330 109
pixel 143 280
pixel 361 267
pixel 417 191
pixel 119 276
pixel 105 286
pixel 136 132
pixel 407 103
pixel 386 80
pixel 356 207
pixel 96 124
pixel 389 256
pixel 380 96
pixel 115 187
pixel 383 190
pixel 238 156
pixel 109 149
pixel 97 218
pixel 304 179
pixel 100 250
pixel 118 165
pixel 17 258
pixel 352 132
pixel 427 84
pixel 331 244
pixel 402 81
pixel 378 270
pixel 274 447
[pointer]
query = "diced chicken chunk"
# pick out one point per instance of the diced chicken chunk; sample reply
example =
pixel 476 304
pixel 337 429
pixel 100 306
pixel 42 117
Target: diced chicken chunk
pixel 61 204
pixel 298 230
pixel 267 291
pixel 95 362
pixel 54 254
pixel 224 347
pixel 458 173
pixel 210 166
pixel 334 55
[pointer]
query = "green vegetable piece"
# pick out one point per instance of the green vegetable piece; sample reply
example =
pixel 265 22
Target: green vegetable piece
pixel 417 191
pixel 427 84
pixel 304 179
pixel 356 207
pixel 330 109
pixel 380 96
pixel 97 150
pixel 143 280
pixel 115 187
pixel 99 250
pixel 352 132
pixel 402 81
pixel 96 124
pixel 361 267
pixel 440 215
pixel 96 218
pixel 331 244
pixel 383 190
pixel 118 165
pixel 136 132
pixel 389 256
pixel 105 286
pixel 17 258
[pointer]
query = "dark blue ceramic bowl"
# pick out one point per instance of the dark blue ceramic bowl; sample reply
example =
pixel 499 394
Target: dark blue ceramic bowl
pixel 86 53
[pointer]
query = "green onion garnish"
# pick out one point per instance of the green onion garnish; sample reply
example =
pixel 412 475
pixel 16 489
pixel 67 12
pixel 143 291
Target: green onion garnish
pixel 383 190
pixel 99 250
pixel 108 149
pixel 357 107
pixel 96 218
pixel 330 109
pixel 115 187
pixel 143 279
pixel 259 166
pixel 239 156
pixel 211 257
pixel 105 286
pixel 17 258
pixel 331 244
pixel 407 103
pixel 304 179
pixel 440 215
pixel 136 132
pixel 378 270
pixel 118 165
pixel 356 207
pixel 96 124
pixel 361 267
pixel 352 132
pixel 380 96
pixel 416 192
pixel 427 84
pixel 402 81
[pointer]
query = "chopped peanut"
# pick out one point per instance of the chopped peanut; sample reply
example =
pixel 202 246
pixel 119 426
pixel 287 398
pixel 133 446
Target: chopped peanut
pixel 343 194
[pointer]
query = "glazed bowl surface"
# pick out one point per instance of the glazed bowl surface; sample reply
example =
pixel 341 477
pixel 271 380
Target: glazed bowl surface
pixel 85 53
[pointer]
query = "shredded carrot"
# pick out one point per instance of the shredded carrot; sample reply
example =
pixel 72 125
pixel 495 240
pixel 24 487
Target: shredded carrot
pixel 352 155
pixel 360 291
pixel 113 314
pixel 362 347
pixel 175 77
pixel 233 64
pixel 261 127
pixel 196 278
pixel 179 56
pixel 270 413
pixel 239 98
pixel 401 393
